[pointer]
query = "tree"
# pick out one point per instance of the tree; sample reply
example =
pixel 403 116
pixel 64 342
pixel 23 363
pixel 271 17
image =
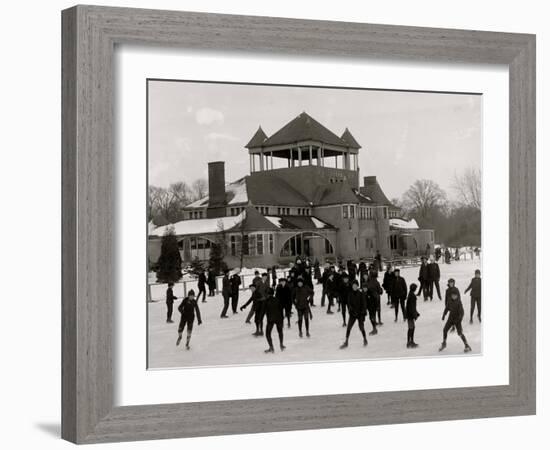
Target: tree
pixel 468 187
pixel 196 266
pixel 169 262
pixel 199 188
pixel 423 198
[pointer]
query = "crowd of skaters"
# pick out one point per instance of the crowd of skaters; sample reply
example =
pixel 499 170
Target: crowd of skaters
pixel 352 291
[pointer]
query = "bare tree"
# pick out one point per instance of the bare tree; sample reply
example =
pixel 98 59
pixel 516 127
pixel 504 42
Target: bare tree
pixel 468 187
pixel 199 188
pixel 423 197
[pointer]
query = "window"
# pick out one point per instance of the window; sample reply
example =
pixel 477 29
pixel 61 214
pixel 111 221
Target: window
pixel 352 212
pixel 271 246
pixel 278 211
pixel 345 212
pixel 245 244
pixel 328 247
pixel 355 243
pixel 385 213
pixel 259 244
pixel 393 242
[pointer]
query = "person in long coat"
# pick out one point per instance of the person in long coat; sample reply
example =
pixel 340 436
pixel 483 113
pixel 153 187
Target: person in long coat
pixel 284 295
pixel 201 284
pixel 453 306
pixel 475 295
pixel 226 294
pixel 211 283
pixel 388 282
pixel 235 282
pixel 434 276
pixel 170 297
pixel 301 298
pixel 343 292
pixel 423 278
pixel 399 293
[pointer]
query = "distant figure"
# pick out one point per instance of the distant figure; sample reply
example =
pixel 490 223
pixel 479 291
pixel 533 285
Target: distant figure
pixel 170 297
pixel 437 254
pixel 211 283
pixel 273 277
pixel 226 293
pixel 202 286
pixel 434 276
pixel 428 249
pixel 447 256
pixel 457 254
pixel 378 259
pixel 388 282
pixel 235 282
pixel 188 308
pixel 475 295
pixel 423 278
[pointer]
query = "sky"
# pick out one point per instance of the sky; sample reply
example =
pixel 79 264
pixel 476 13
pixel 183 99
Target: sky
pixel 404 136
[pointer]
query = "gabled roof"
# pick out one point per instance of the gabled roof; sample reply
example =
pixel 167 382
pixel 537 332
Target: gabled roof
pixel 304 128
pixel 270 190
pixel 334 193
pixel 299 223
pixel 258 139
pixel 348 138
pixel 373 190
pixel 235 194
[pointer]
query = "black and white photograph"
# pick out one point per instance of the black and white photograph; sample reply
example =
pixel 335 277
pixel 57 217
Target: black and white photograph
pixel 291 224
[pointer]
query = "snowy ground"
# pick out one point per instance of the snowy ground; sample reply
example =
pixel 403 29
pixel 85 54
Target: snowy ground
pixel 230 342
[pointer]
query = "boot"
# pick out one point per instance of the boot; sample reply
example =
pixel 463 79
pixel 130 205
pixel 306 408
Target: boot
pixel 344 345
pixel 467 348
pixel 365 342
pixel 373 332
pixel 443 346
pixel 187 342
pixel 282 347
pixel 179 339
pixel 270 350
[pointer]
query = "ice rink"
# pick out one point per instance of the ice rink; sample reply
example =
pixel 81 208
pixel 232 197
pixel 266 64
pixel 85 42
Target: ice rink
pixel 230 342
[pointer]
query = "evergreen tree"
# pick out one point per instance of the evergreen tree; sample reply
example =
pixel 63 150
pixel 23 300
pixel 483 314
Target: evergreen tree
pixel 217 252
pixel 169 262
pixel 196 266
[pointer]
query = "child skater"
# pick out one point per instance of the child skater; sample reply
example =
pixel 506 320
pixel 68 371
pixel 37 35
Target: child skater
pixel 475 295
pixel 357 308
pixel 188 308
pixel 411 314
pixel 455 309
pixel 274 316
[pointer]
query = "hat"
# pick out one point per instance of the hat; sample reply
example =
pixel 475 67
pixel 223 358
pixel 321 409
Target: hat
pixel 451 280
pixel 355 282
pixel 191 293
pixel 413 286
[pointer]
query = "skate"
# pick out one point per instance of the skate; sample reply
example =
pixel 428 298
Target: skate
pixel 443 346
pixel 380 324
pixel 471 321
pixel 283 347
pixel 307 334
pixel 224 317
pixel 330 312
pixel 300 334
pixel 187 347
pixel 467 348
pixel 479 318
pixel 344 324
pixel 270 350
pixel 413 345
pixel 344 345
pixel 247 321
pixel 365 343
pixel 169 321
pixel 408 345
pixel 395 319
pixel 178 341
pixel 373 333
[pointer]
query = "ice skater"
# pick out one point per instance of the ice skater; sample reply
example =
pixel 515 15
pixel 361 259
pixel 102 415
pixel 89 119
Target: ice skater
pixel 399 294
pixel 188 308
pixel 170 297
pixel 330 288
pixel 456 313
pixel 302 298
pixel 274 316
pixel 388 282
pixel 357 307
pixel 235 283
pixel 475 295
pixel 411 314
pixel 284 295
pixel 434 276
pixel 343 292
pixel 226 293
pixel 423 278
pixel 202 286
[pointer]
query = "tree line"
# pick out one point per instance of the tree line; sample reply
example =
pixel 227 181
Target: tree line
pixel 457 222
pixel 166 204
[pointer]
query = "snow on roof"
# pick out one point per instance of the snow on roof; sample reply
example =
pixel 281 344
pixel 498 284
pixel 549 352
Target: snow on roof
pixel 403 224
pixel 318 223
pixel 201 226
pixel 150 227
pixel 235 193
pixel 275 220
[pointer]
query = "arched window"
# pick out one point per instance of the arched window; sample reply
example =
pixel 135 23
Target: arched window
pixel 307 244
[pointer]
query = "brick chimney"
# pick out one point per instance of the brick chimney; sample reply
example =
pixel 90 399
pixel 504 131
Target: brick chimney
pixel 369 180
pixel 216 189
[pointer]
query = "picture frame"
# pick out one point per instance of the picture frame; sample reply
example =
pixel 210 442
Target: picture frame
pixel 89 37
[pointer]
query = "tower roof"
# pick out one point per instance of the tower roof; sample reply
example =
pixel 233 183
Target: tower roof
pixel 258 139
pixel 304 128
pixel 348 138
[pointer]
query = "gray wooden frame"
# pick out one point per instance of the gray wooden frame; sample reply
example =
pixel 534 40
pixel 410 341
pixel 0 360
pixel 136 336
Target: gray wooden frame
pixel 89 37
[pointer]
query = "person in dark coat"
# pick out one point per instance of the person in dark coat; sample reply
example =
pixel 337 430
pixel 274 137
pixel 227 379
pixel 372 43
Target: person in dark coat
pixel 284 295
pixel 373 291
pixel 254 296
pixel 274 316
pixel 317 272
pixel 211 280
pixel 434 276
pixel 226 293
pixel 399 293
pixel 357 306
pixel 411 314
pixel 343 292
pixel 378 259
pixel 331 289
pixel 170 297
pixel 423 278
pixel 201 284
pixel 437 254
pixel 256 281
pixel 302 298
pixel 447 256
pixel 323 281
pixel 453 306
pixel 188 308
pixel 475 295
pixel 388 282
pixel 235 282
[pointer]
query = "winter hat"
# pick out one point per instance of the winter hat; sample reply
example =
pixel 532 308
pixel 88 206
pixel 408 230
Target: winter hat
pixel 451 280
pixel 478 272
pixel 191 293
pixel 413 287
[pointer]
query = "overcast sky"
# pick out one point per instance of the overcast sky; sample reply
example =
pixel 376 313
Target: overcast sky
pixel 404 136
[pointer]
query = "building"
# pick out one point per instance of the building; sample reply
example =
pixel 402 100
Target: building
pixel 302 198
